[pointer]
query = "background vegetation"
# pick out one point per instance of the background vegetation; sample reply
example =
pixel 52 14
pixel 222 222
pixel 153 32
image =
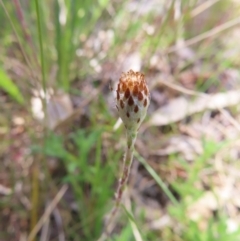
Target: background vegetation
pixel 61 149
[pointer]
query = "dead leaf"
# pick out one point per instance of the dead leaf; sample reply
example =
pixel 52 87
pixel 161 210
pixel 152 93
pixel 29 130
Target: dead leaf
pixel 179 108
pixel 59 107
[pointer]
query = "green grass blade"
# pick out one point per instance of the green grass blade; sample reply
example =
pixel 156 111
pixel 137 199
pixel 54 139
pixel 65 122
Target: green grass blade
pixel 157 178
pixel 133 224
pixel 7 85
pixel 41 46
pixel 10 18
pixel 62 44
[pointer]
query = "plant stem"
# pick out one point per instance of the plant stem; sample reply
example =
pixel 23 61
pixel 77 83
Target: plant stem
pixel 131 138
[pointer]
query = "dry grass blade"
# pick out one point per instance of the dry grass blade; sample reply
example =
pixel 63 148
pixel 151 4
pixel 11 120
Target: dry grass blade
pixel 201 8
pixel 170 84
pixel 205 35
pixel 47 213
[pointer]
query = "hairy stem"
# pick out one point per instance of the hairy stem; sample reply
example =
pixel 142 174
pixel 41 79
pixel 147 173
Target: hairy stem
pixel 131 138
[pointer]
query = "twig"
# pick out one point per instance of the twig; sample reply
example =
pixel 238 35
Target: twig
pixel 47 212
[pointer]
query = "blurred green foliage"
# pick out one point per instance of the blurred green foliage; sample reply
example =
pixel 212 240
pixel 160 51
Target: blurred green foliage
pixel 90 176
pixel 8 85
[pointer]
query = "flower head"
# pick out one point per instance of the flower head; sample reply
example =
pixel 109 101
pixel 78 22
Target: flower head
pixel 132 99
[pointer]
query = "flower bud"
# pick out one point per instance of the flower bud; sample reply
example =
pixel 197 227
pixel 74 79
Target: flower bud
pixel 132 99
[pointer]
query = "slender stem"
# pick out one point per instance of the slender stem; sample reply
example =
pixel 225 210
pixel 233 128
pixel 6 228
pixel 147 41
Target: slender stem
pixel 131 138
pixel 41 50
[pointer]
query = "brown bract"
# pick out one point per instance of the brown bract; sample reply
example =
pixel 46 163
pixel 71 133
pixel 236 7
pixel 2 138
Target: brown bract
pixel 132 82
pixel 132 99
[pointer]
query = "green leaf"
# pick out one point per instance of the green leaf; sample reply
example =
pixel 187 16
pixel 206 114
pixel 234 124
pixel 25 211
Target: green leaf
pixel 7 85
